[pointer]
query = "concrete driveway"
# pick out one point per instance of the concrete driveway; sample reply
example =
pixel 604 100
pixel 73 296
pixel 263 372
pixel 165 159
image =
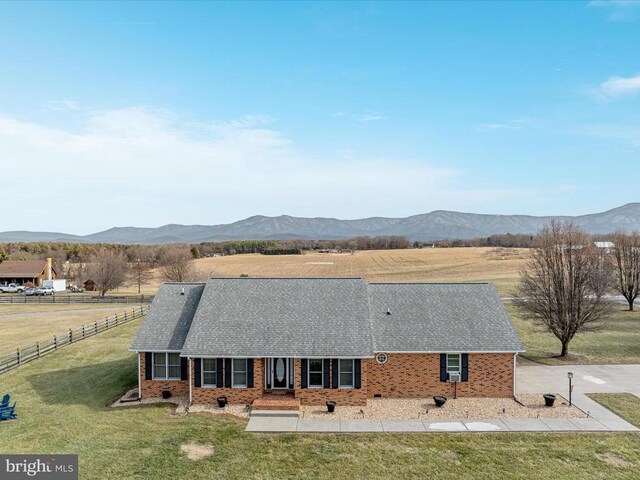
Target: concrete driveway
pixel 586 379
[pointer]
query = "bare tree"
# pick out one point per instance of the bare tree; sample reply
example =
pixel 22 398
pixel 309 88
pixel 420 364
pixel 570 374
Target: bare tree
pixel 563 285
pixel 108 268
pixel 626 252
pixel 139 274
pixel 177 265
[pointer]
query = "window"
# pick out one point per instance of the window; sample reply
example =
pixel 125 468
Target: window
pixel 209 372
pixel 167 366
pixel 239 372
pixel 316 373
pixel 345 369
pixel 453 363
pixel 381 358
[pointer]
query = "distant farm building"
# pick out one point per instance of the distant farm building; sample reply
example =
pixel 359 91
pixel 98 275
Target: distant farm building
pixel 606 246
pixel 89 285
pixel 25 272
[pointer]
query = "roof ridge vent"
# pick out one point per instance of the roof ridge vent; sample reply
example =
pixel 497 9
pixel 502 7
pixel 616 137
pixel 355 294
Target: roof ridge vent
pixel 388 311
pixel 182 291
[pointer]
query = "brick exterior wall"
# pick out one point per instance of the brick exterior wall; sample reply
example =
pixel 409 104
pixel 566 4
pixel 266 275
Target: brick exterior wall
pixel 208 395
pixel 342 396
pixel 402 376
pixel 418 376
pixel 154 388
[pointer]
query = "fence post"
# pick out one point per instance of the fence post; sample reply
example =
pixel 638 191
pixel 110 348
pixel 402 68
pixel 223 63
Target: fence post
pixel 96 325
pixel 18 356
pixel 107 322
pixel 70 336
pixel 82 331
pixel 38 349
pixel 55 342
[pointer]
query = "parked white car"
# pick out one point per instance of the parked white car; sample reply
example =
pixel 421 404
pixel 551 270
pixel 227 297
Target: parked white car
pixel 45 291
pixel 12 288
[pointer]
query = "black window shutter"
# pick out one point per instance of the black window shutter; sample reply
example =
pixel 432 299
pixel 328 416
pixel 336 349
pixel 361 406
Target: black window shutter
pixel 219 368
pixel 198 372
pixel 334 378
pixel 267 371
pixel 227 373
pixel 327 373
pixel 148 366
pixel 357 368
pixel 249 372
pixel 465 367
pixel 443 367
pixel 184 368
pixel 304 365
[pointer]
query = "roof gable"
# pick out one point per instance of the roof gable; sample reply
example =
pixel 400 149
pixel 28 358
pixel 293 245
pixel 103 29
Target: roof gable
pixel 168 320
pixel 22 268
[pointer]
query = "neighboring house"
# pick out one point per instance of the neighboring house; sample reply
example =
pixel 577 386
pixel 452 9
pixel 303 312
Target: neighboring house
pixel 320 339
pixel 606 246
pixel 27 271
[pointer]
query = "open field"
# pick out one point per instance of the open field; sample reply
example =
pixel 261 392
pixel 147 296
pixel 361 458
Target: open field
pixel 617 343
pixel 500 266
pixel 25 325
pixel 29 308
pixel 483 264
pixel 62 408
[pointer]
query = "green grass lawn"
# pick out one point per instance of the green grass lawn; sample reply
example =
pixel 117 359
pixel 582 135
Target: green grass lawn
pixel 625 405
pixel 62 408
pixel 617 343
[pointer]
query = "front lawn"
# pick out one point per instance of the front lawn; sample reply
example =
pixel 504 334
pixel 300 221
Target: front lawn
pixel 617 343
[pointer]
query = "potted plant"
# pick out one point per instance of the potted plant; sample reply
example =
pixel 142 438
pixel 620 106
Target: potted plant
pixel 331 406
pixel 166 394
pixel 440 400
pixel 222 402
pixel 549 399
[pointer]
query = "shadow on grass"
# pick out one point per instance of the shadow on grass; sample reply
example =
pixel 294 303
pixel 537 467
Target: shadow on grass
pixel 95 385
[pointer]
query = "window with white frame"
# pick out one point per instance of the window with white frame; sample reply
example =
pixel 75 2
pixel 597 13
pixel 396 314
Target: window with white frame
pixel 167 366
pixel 316 373
pixel 453 363
pixel 209 372
pixel 345 373
pixel 239 372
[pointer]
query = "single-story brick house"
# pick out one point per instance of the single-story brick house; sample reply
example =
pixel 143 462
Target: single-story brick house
pixel 320 339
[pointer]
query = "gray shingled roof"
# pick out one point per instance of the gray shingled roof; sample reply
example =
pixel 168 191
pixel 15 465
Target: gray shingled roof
pixel 166 325
pixel 292 317
pixel 440 318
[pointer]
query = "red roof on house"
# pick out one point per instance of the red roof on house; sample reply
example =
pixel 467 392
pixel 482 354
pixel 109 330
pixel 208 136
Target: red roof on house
pixel 22 268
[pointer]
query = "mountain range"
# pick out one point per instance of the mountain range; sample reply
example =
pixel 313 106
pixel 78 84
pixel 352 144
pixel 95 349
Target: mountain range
pixel 437 225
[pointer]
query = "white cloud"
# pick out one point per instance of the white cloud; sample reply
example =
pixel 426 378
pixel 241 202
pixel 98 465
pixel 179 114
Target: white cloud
pixel 370 117
pixel 619 10
pixel 144 167
pixel 616 87
pixel 516 124
pixel 63 105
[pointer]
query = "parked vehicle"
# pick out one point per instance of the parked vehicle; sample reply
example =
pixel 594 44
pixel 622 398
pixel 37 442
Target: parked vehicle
pixel 76 289
pixel 12 288
pixel 46 291
pixel 31 292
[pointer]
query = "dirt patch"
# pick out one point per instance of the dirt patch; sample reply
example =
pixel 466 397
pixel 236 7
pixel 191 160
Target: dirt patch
pixel 614 460
pixel 196 451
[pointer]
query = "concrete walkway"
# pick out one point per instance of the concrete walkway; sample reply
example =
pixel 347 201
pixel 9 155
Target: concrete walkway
pixel 292 424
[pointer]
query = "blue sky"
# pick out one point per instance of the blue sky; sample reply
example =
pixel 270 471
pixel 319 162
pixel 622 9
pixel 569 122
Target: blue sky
pixel 152 113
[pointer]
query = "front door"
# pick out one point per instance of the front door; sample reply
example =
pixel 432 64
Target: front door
pixel 279 372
